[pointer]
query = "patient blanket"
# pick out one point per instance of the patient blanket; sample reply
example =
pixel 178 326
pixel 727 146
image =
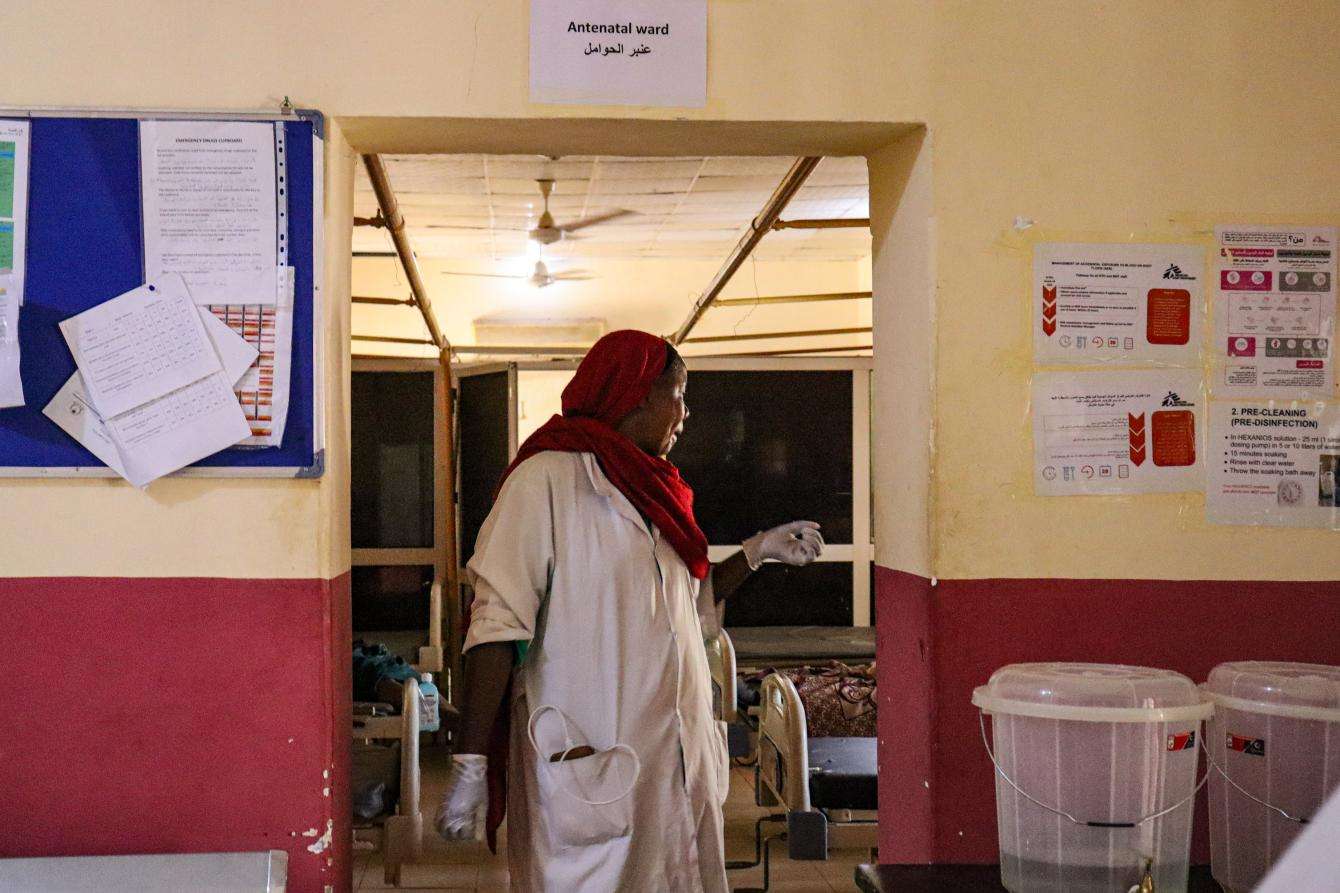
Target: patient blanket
pixel 839 699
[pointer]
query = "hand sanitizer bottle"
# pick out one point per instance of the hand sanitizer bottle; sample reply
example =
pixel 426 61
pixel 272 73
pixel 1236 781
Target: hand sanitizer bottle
pixel 430 718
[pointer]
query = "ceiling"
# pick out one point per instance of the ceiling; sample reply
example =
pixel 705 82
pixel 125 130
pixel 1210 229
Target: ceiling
pixel 480 207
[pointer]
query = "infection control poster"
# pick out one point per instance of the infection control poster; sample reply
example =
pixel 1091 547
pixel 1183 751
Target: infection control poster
pixel 1274 317
pixel 1118 303
pixel 1274 463
pixel 1116 432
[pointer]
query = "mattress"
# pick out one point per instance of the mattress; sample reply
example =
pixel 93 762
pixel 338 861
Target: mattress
pixel 770 645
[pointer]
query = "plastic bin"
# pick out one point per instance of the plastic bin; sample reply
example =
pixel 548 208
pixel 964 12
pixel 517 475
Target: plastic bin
pixel 1275 737
pixel 1114 748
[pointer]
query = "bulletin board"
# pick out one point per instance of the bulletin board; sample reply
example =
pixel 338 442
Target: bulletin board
pixel 85 246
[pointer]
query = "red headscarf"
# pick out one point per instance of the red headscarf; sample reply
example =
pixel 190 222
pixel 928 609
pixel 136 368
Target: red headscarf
pixel 614 377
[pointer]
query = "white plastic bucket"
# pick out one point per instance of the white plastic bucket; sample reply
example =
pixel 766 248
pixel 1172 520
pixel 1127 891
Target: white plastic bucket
pixel 1274 743
pixel 1096 774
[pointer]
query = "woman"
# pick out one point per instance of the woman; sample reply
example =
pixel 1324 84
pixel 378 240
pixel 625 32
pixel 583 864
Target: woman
pixel 592 592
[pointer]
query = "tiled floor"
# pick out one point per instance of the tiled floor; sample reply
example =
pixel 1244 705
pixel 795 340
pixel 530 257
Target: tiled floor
pixel 470 867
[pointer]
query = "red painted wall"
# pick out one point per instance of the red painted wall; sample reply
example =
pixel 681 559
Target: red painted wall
pixel 977 626
pixel 176 715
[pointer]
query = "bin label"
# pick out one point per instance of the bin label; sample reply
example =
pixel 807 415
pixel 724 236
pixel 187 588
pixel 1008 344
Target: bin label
pixel 1182 741
pixel 1252 746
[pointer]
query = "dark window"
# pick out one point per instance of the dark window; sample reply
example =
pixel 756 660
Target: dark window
pixel 483 413
pixel 391 597
pixel 778 595
pixel 391 489
pixel 763 448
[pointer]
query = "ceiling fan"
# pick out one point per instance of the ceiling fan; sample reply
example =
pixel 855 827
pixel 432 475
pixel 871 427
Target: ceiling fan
pixel 540 277
pixel 547 232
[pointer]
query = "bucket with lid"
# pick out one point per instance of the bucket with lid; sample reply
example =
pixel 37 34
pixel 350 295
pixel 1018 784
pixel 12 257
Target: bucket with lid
pixel 1095 774
pixel 1274 750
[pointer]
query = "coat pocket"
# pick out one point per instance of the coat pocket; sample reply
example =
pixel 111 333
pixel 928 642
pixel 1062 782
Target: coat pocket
pixel 587 800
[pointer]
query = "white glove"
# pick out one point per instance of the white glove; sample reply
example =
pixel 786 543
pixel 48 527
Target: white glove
pixel 797 543
pixel 461 813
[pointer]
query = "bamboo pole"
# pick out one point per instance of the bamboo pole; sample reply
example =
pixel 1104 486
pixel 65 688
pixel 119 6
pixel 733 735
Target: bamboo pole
pixel 834 223
pixel 759 227
pixel 793 299
pixel 767 336
pixel 394 221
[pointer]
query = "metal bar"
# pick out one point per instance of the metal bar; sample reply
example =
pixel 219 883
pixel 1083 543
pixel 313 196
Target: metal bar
pixel 391 339
pixel 768 336
pixel 794 299
pixel 834 223
pixel 395 302
pixel 395 225
pixel 507 351
pixel 759 227
pixel 377 220
pixel 799 351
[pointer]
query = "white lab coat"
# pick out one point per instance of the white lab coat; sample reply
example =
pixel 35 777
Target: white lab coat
pixel 616 625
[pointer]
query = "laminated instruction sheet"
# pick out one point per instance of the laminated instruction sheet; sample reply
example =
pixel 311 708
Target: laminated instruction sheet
pixel 1118 303
pixel 1116 432
pixel 1274 463
pixel 14 139
pixel 1274 317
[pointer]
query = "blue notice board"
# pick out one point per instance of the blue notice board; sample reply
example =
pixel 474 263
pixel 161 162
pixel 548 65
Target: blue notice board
pixel 85 246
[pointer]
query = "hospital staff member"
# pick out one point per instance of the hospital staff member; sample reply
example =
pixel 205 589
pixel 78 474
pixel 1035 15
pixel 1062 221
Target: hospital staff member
pixel 592 592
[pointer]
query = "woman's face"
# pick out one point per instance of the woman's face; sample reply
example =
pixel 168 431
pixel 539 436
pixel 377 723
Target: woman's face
pixel 657 423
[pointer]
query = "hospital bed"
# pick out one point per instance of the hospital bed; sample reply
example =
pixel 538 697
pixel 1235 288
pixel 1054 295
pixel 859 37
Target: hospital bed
pixel 387 748
pixel 826 786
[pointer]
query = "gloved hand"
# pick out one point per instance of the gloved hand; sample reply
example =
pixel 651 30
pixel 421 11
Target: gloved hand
pixel 797 543
pixel 461 813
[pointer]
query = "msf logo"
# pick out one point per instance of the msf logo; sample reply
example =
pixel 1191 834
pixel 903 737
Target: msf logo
pixel 1175 272
pixel 1173 400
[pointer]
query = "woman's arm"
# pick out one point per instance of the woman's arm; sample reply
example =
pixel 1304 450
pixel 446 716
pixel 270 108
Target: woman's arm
pixel 728 575
pixel 797 543
pixel 488 668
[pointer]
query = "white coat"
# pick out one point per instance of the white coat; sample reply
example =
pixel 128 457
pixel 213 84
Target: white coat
pixel 616 624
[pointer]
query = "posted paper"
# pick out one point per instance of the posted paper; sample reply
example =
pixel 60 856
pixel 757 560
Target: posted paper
pixel 72 410
pixel 1274 318
pixel 177 429
pixel 11 385
pixel 263 391
pixel 1116 432
pixel 1274 463
pixel 619 52
pixel 140 346
pixel 14 143
pixel 1118 303
pixel 210 208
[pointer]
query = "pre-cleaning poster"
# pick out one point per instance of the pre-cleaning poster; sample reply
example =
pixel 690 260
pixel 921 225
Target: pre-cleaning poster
pixel 1274 314
pixel 1116 432
pixel 1118 303
pixel 1274 463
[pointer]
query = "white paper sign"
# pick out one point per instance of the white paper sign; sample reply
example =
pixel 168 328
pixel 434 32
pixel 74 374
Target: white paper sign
pixel 1274 318
pixel 619 52
pixel 1274 463
pixel 1117 303
pixel 1116 432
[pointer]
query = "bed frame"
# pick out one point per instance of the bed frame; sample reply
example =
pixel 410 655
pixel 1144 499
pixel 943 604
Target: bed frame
pixel 401 833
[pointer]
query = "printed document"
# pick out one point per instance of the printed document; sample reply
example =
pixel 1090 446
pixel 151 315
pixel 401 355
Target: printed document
pixel 73 411
pixel 13 204
pixel 140 346
pixel 1116 432
pixel 210 208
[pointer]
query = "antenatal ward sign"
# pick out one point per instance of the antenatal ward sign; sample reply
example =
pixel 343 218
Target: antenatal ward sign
pixel 619 52
pixel 1115 303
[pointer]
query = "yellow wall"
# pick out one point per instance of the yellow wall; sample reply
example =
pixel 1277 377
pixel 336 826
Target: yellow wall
pixel 1142 117
pixel 1131 120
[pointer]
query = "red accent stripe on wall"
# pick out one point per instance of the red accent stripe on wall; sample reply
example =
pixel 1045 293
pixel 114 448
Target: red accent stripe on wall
pixel 177 715
pixel 977 626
